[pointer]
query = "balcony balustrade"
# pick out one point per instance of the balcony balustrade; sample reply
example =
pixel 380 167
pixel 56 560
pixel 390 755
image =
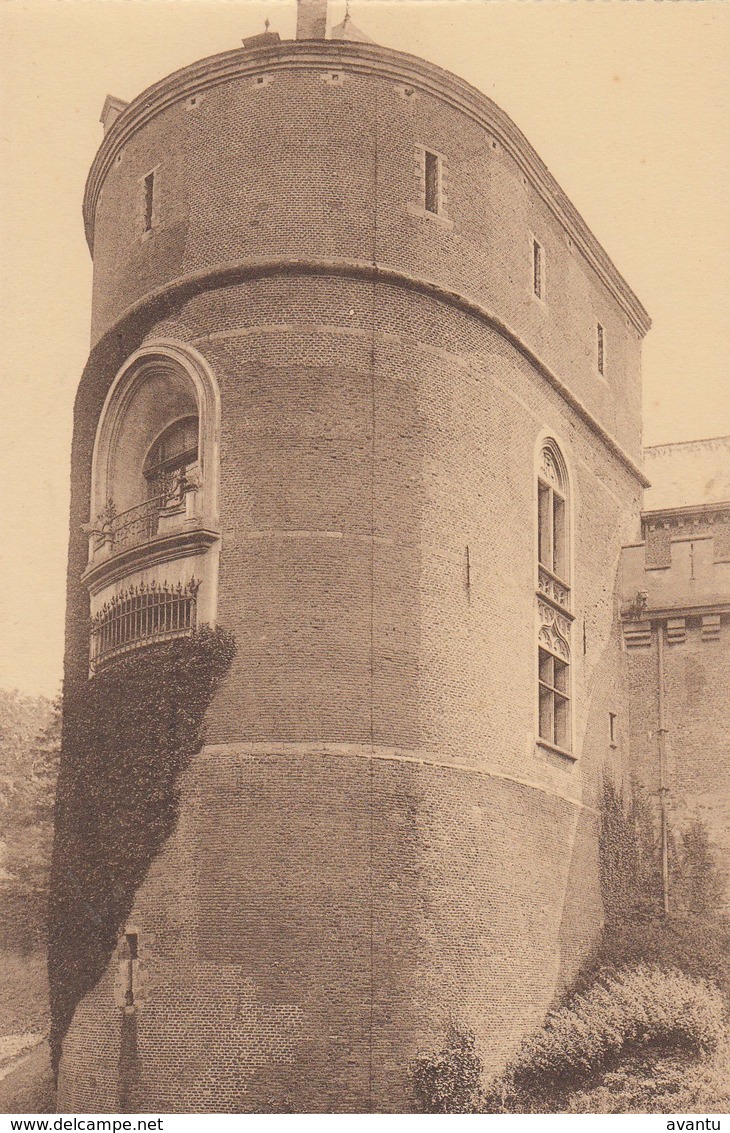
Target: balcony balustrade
pixel 554 589
pixel 142 615
pixel 162 514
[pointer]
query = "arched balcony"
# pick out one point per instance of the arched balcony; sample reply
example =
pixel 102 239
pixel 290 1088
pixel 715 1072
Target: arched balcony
pixel 153 531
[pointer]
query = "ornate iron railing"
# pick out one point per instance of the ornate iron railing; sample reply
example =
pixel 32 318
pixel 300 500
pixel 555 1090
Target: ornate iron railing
pixel 120 530
pixel 135 525
pixel 142 615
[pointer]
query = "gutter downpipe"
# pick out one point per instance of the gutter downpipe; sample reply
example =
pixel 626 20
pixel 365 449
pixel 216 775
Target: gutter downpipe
pixel 663 788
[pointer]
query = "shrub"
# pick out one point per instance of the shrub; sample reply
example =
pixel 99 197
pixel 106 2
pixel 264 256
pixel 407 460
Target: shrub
pixel 663 1085
pixel 625 1014
pixel 449 1080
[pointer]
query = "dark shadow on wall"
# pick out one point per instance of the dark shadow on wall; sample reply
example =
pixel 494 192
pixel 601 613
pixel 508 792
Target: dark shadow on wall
pixel 128 735
pixel 128 1074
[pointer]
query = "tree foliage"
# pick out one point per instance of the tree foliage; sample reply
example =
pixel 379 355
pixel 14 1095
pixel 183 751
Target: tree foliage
pixel 30 730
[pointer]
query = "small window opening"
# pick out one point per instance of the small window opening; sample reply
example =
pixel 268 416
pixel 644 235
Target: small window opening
pixel 432 178
pixel 537 269
pixel 612 728
pixel 129 958
pixel 601 348
pixel 149 198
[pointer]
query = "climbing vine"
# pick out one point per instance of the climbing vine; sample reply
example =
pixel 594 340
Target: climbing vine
pixel 128 735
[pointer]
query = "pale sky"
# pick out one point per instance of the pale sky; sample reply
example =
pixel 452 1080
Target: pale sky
pixel 626 101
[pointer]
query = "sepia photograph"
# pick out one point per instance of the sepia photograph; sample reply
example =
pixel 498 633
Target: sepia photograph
pixel 365 613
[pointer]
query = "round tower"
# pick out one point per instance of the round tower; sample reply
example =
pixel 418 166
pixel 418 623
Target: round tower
pixel 363 393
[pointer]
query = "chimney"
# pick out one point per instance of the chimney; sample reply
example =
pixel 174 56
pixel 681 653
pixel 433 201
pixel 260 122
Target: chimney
pixel 311 19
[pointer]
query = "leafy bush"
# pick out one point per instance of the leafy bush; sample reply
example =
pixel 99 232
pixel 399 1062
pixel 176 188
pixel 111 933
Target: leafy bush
pixel 449 1080
pixel 664 1085
pixel 624 1015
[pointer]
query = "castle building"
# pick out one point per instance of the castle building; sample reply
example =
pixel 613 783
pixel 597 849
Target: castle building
pixel 365 391
pixel 675 590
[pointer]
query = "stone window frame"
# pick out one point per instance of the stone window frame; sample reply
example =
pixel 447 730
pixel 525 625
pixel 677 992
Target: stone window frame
pixel 554 600
pixel 131 971
pixel 537 245
pixel 418 207
pixel 144 231
pixel 187 541
pixel 601 350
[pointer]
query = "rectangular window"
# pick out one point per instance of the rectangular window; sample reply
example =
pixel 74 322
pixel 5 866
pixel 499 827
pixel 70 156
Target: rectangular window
pixel 544 509
pixel 149 200
pixel 432 175
pixel 554 700
pixel 601 348
pixel 537 269
pixel 552 530
pixel 559 566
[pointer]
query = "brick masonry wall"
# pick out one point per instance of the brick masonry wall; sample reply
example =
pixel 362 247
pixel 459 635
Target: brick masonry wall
pixel 245 173
pixel 697 677
pixel 372 840
pixel 387 901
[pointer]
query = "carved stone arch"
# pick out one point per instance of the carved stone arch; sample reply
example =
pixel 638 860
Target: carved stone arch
pixel 551 463
pixel 552 468
pixel 161 364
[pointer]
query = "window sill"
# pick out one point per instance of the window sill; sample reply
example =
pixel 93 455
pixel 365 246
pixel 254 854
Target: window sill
pixel 436 217
pixel 553 749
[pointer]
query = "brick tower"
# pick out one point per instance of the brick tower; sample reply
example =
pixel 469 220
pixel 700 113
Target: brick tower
pixel 364 390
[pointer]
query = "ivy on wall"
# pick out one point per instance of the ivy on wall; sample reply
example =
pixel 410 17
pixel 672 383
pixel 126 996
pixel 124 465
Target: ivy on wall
pixel 128 735
pixel 695 937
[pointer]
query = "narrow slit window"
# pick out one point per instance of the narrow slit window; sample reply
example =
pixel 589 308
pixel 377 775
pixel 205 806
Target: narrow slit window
pixel 537 269
pixel 612 728
pixel 130 956
pixel 149 201
pixel 432 174
pixel 601 348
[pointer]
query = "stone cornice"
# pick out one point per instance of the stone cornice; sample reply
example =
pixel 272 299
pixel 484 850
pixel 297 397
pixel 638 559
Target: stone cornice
pixel 367 59
pixel 710 604
pixel 160 549
pixel 690 516
pixel 226 275
pixel 691 446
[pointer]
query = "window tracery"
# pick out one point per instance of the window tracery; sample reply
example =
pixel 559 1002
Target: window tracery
pixel 553 600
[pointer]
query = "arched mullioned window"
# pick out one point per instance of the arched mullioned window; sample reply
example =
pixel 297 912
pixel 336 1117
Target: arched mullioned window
pixel 553 599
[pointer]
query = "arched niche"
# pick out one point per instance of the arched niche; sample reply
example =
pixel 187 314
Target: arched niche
pixel 160 385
